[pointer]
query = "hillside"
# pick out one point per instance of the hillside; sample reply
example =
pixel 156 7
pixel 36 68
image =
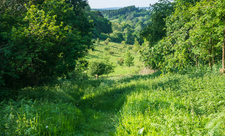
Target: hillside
pixel 66 70
pixel 190 102
pixel 113 52
pixel 130 15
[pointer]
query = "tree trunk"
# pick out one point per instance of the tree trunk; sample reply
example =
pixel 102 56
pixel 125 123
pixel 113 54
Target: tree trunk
pixel 196 61
pixel 223 56
pixel 213 57
pixel 210 53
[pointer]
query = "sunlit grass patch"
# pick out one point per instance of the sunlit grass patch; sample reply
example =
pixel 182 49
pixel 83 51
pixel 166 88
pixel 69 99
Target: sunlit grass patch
pixel 175 105
pixel 40 118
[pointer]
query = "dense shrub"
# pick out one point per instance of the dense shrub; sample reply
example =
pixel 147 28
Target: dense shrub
pixel 111 52
pixel 41 42
pixel 107 41
pixel 103 36
pixel 124 44
pixel 99 68
pixel 129 47
pixel 116 37
pixel 106 48
pixel 120 61
pixel 128 59
pixel 78 73
pixel 98 41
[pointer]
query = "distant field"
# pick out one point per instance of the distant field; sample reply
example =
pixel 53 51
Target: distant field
pixel 101 51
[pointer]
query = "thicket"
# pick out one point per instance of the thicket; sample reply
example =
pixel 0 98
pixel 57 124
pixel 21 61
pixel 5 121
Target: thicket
pixel 99 68
pixel 191 35
pixel 40 40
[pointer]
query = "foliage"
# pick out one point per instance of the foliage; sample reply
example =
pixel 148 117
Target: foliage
pixel 129 38
pixel 106 48
pixel 120 61
pixel 155 30
pixel 194 36
pixel 128 61
pixel 111 52
pixel 127 22
pixel 101 24
pixel 129 47
pixel 79 72
pixel 116 36
pixel 98 41
pixel 137 46
pixel 124 44
pixel 99 68
pixel 100 54
pixel 40 118
pixel 107 41
pixel 178 104
pixel 43 42
pixel 103 36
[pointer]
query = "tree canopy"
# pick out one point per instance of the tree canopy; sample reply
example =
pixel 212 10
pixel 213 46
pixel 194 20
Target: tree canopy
pixel 192 35
pixel 41 39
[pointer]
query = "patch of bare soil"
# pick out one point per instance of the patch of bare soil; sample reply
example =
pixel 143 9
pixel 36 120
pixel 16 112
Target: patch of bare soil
pixel 146 71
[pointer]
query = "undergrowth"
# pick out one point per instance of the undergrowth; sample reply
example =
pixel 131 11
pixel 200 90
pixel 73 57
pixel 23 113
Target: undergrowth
pixel 190 102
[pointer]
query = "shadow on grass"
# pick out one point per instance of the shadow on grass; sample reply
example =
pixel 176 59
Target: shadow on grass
pixel 90 56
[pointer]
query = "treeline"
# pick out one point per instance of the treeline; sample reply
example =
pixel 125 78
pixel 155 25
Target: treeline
pixel 41 40
pixel 184 33
pixel 101 24
pixel 129 12
pixel 126 24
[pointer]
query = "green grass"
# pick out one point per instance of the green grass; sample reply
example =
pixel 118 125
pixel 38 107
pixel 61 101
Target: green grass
pixel 99 54
pixel 190 102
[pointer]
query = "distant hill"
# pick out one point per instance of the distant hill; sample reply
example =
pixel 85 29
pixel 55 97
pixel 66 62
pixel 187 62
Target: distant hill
pixel 115 8
pixel 127 22
pixel 112 8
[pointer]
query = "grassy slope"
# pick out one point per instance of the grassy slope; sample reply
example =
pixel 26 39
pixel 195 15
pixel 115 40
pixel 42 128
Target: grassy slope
pixel 119 50
pixel 188 103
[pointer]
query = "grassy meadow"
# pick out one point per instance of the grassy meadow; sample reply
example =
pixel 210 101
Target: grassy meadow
pixel 112 52
pixel 190 102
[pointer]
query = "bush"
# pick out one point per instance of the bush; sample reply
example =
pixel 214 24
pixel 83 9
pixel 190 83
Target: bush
pixel 99 68
pixel 120 61
pixel 106 48
pixel 111 52
pixel 129 47
pixel 128 59
pixel 103 36
pixel 98 41
pixel 137 46
pixel 107 41
pixel 124 44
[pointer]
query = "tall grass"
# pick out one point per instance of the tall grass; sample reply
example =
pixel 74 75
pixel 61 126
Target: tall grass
pixel 27 117
pixel 180 104
pixel 189 102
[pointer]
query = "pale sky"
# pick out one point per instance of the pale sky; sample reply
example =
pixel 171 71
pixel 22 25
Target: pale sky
pixel 119 3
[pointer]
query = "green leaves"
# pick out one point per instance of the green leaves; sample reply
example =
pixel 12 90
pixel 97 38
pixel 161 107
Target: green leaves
pixel 194 33
pixel 46 44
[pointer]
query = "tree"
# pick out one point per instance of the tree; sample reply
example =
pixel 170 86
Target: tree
pixel 129 38
pixel 128 59
pixel 155 31
pixel 45 43
pixel 137 46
